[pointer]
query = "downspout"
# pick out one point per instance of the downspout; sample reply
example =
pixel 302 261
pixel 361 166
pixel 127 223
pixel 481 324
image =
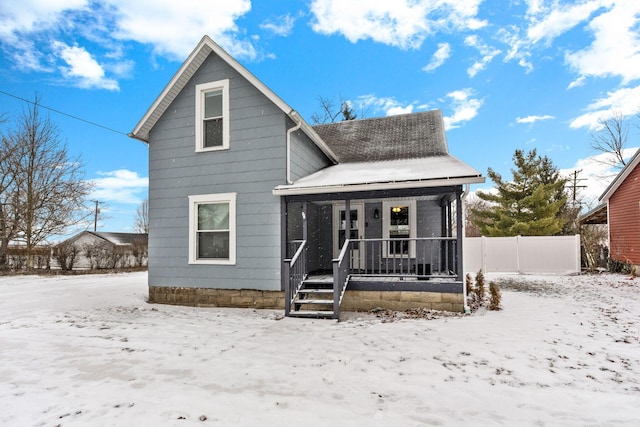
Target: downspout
pixel 289 132
pixel 465 193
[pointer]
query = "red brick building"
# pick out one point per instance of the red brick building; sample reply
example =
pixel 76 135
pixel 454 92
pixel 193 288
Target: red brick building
pixel 623 206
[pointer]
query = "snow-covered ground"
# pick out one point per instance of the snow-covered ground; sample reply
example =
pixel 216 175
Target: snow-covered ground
pixel 89 351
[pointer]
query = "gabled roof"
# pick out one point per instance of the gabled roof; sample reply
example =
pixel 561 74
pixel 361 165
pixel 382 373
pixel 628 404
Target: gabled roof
pixel 117 239
pixel 406 136
pixel 395 152
pixel 619 179
pixel 433 171
pixel 121 239
pixel 189 68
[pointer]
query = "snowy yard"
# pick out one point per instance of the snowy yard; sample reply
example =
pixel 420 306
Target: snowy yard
pixel 89 351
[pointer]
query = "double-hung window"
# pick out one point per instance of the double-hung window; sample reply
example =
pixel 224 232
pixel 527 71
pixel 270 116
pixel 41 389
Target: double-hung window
pixel 212 229
pixel 399 227
pixel 212 116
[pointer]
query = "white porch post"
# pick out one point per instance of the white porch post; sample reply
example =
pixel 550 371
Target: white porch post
pixel 459 237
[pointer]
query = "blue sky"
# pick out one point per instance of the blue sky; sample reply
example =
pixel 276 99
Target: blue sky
pixel 506 74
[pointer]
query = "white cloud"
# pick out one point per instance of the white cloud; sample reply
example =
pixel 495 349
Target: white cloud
pixel 281 26
pixel 173 28
pixel 487 52
pixel 544 23
pixel 465 107
pixel 120 186
pixel 389 106
pixel 559 19
pixel 27 28
pixel 439 57
pixel 394 111
pixel 625 101
pixel 82 68
pixel 533 119
pixel 615 50
pixel 577 82
pixel 25 16
pixel 402 23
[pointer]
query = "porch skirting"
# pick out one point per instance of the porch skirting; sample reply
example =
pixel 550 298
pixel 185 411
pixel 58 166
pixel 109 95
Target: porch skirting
pixel 207 297
pixel 402 300
pixel 356 300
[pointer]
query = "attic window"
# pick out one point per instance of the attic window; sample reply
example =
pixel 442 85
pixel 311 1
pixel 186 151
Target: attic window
pixel 212 116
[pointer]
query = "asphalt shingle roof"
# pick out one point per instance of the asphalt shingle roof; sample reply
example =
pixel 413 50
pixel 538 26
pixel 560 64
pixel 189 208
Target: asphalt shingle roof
pixel 406 136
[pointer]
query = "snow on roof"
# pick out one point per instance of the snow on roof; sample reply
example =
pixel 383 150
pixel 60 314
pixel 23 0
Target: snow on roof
pixel 119 239
pixel 404 136
pixel 385 175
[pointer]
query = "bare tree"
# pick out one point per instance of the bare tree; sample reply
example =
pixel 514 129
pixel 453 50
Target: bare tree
pixel 140 251
pixel 98 254
pixel 331 112
pixel 612 138
pixel 142 217
pixel 473 204
pixel 593 239
pixel 47 189
pixel 66 254
pixel 8 198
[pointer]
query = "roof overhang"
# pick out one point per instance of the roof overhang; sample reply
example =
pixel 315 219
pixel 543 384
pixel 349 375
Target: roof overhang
pixel 437 171
pixel 619 179
pixel 180 79
pixel 597 215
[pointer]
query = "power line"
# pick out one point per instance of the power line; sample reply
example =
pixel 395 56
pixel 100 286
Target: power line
pixel 65 114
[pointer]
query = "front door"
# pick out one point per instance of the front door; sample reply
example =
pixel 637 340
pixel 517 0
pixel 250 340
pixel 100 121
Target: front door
pixel 356 218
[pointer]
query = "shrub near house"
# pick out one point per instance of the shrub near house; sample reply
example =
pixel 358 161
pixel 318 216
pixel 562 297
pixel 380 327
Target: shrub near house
pixel 96 250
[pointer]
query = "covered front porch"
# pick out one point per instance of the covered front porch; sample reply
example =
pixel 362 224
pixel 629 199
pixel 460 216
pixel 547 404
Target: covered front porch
pixel 387 243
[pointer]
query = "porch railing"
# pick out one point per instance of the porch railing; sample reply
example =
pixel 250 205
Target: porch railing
pixel 292 247
pixel 295 272
pixel 423 257
pixel 341 268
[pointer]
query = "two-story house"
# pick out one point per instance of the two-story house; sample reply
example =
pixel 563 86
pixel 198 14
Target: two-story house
pixel 250 206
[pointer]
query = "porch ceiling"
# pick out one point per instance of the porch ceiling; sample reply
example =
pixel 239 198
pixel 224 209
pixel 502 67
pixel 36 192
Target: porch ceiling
pixel 436 171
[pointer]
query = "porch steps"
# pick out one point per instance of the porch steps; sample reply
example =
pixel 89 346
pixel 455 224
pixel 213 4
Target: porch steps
pixel 314 299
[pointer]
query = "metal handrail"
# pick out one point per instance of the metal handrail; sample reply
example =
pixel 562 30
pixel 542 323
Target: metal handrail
pixel 296 272
pixel 341 267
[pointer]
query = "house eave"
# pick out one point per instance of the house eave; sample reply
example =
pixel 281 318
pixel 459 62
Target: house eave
pixel 189 68
pixel 292 190
pixel 619 179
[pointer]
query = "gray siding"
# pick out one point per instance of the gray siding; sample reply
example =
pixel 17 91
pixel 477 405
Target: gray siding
pixel 306 157
pixel 252 167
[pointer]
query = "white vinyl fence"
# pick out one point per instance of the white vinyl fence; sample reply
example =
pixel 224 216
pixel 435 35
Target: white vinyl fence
pixel 525 255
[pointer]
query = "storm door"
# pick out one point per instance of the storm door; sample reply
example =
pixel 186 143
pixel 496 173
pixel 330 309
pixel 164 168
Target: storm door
pixel 356 218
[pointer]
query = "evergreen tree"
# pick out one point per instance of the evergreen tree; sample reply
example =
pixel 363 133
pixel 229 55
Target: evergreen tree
pixel 530 205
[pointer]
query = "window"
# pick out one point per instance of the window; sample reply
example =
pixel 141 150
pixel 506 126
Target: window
pixel 212 229
pixel 212 116
pixel 399 225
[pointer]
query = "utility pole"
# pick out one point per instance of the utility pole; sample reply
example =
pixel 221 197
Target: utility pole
pixel 95 217
pixel 574 186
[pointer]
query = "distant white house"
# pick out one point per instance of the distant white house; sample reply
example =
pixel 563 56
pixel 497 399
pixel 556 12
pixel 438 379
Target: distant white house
pixel 92 250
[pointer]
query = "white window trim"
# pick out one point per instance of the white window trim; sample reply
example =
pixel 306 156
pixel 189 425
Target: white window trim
pixel 386 206
pixel 194 201
pixel 201 89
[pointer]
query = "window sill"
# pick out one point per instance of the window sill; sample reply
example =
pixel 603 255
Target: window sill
pixel 212 262
pixel 204 150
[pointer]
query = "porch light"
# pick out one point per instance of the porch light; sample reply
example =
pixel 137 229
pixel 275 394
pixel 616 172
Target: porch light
pixel 396 209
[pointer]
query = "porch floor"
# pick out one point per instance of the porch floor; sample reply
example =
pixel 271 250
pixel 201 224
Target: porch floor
pixel 328 278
